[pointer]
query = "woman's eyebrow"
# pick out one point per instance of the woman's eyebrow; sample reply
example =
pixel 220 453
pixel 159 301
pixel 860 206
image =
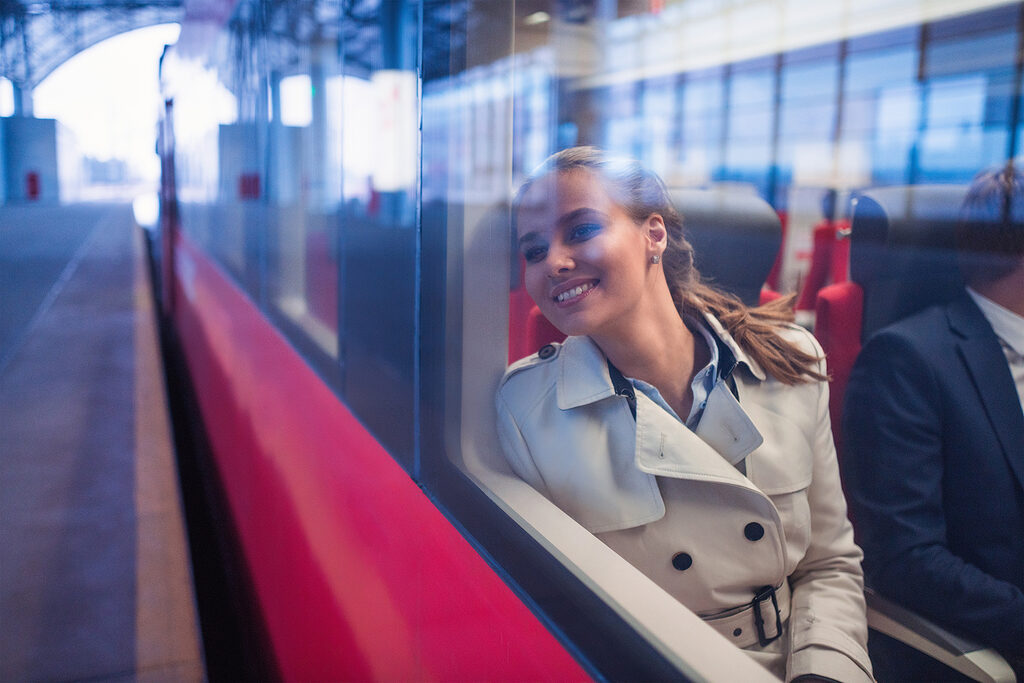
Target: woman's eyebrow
pixel 529 237
pixel 569 217
pixel 579 213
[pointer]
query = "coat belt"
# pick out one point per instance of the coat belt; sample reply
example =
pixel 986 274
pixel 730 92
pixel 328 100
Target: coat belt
pixel 759 622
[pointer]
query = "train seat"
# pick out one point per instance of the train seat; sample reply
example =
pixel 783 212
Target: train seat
pixel 736 237
pixel 772 281
pixel 902 259
pixel 829 255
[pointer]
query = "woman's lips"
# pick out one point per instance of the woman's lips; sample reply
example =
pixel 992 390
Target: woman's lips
pixel 575 293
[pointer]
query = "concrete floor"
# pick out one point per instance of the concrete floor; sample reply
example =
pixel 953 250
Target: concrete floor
pixel 95 579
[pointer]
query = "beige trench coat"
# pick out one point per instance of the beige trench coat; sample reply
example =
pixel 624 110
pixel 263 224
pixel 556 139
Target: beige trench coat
pixel 567 433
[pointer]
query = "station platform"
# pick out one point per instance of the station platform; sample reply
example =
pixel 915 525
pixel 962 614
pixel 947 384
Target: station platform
pixel 95 575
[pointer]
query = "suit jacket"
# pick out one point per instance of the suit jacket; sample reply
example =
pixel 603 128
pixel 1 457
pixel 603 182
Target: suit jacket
pixel 566 432
pixel 933 466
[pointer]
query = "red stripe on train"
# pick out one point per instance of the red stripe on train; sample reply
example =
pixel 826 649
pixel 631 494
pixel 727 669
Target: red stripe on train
pixel 358 575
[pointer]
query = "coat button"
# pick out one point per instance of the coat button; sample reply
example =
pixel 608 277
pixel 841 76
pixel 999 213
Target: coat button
pixel 546 351
pixel 753 531
pixel 682 561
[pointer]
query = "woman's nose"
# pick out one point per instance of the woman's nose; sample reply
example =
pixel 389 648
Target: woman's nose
pixel 560 259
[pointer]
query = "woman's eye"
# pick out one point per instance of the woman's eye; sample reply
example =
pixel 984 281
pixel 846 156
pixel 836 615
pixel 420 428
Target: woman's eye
pixel 584 231
pixel 534 254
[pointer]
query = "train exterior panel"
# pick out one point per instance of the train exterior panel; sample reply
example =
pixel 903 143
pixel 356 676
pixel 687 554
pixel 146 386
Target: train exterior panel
pixel 360 576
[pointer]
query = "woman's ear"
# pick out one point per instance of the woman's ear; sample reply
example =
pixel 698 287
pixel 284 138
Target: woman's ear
pixel 656 233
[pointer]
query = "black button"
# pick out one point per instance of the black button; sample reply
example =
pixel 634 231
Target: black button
pixel 546 351
pixel 682 561
pixel 753 531
pixel 737 632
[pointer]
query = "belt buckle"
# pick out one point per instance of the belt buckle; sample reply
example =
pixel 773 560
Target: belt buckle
pixel 762 595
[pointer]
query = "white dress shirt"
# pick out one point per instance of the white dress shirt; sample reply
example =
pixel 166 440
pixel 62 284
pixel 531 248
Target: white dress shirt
pixel 1009 328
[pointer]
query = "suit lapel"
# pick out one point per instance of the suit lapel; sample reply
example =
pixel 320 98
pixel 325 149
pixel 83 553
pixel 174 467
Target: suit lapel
pixel 980 351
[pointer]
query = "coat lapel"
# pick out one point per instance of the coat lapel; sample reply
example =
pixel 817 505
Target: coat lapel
pixel 980 351
pixel 665 447
pixel 582 374
pixel 726 427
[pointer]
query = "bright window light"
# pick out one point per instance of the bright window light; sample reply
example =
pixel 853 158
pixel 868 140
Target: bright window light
pixel 296 101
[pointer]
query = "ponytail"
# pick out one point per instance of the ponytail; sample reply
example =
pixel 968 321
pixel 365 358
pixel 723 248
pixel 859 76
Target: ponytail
pixel 756 330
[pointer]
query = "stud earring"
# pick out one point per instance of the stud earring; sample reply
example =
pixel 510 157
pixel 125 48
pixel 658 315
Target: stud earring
pixel 656 258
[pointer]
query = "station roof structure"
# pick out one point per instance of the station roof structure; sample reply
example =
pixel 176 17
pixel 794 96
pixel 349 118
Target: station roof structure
pixel 36 37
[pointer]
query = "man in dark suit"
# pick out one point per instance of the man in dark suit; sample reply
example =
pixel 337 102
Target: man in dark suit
pixel 933 460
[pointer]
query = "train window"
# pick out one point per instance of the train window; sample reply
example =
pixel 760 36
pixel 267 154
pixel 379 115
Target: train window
pixel 303 194
pixel 703 100
pixel 802 123
pixel 302 181
pixel 199 114
pixel 626 625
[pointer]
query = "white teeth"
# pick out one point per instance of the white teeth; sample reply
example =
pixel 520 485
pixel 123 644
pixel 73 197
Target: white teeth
pixel 574 292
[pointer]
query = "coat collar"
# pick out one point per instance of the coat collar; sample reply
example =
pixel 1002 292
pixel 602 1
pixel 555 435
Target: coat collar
pixel 727 343
pixel 583 369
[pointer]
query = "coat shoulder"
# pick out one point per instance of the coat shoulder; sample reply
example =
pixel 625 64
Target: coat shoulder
pixel 529 378
pixel 802 338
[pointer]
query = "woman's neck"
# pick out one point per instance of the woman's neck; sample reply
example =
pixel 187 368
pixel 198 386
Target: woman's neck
pixel 657 347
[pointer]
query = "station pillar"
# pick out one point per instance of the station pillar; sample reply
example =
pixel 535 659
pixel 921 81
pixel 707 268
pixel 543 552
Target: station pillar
pixel 22 100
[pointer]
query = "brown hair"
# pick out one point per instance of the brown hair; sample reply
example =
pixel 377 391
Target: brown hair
pixel 990 232
pixel 642 193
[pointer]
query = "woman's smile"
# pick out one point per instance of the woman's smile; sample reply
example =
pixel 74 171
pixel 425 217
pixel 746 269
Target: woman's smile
pixel 571 293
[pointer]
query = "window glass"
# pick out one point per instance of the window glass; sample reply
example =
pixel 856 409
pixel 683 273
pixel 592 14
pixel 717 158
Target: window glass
pixel 703 103
pixel 379 169
pixel 881 109
pixel 967 101
pixel 971 54
pixel 298 170
pixel 871 71
pixel 302 194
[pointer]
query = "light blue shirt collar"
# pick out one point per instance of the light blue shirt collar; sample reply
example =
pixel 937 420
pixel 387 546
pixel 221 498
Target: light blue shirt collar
pixel 703 382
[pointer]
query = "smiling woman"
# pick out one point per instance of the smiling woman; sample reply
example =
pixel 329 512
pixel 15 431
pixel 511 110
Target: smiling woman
pixel 686 432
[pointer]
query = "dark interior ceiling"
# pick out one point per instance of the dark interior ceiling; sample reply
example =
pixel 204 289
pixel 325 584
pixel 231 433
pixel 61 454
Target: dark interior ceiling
pixel 37 37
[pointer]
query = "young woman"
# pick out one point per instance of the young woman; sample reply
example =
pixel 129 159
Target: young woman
pixel 689 433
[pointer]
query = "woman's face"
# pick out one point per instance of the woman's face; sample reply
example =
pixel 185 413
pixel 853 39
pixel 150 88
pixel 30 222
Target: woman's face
pixel 587 261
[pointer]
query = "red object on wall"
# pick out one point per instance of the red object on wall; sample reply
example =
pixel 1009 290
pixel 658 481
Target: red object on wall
pixel 358 575
pixel 32 185
pixel 249 186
